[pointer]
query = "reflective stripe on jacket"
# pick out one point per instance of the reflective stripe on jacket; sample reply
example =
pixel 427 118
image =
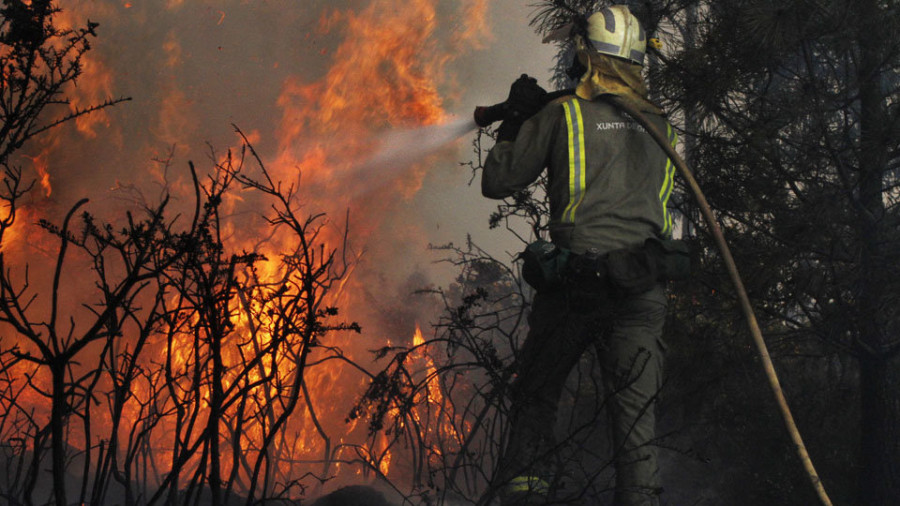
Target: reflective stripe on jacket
pixel 609 182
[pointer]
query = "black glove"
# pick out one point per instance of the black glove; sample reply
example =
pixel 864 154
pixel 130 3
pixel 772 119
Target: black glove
pixel 525 99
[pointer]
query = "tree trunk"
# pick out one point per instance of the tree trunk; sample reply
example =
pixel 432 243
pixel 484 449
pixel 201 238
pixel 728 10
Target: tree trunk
pixel 880 473
pixel 880 364
pixel 57 431
pixel 215 415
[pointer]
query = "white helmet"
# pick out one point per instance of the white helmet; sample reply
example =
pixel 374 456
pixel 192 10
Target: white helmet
pixel 615 31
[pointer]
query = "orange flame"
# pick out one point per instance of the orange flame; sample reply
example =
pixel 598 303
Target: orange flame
pixel 40 166
pixel 434 393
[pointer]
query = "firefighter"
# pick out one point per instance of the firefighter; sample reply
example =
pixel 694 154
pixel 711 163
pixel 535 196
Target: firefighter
pixel 609 186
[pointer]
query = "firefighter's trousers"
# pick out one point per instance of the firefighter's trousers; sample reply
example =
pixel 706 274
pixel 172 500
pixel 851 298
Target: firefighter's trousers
pixel 627 332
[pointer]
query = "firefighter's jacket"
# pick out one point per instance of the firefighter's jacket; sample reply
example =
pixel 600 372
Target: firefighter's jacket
pixel 609 181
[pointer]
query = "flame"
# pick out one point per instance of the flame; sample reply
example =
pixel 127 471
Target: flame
pixel 385 465
pixel 433 389
pixel 472 28
pixel 175 122
pixel 16 234
pixel 40 166
pixel 98 88
pixel 386 73
pixel 44 178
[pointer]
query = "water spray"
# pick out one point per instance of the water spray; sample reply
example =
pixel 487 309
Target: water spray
pixel 397 149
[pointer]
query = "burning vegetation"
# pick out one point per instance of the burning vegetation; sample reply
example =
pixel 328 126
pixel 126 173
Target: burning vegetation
pixel 192 348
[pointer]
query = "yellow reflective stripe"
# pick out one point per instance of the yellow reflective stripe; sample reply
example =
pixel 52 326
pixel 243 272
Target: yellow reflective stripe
pixel 577 180
pixel 668 183
pixel 532 484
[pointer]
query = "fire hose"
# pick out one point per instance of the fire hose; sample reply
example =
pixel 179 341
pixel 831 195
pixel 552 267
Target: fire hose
pixel 743 298
pixel 746 307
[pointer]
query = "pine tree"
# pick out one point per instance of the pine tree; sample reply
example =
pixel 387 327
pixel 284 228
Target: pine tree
pixel 791 112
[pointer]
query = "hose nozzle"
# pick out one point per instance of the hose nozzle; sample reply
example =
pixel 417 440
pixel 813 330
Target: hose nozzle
pixel 487 114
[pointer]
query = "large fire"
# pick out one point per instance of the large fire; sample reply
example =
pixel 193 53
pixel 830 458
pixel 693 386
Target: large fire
pixel 379 67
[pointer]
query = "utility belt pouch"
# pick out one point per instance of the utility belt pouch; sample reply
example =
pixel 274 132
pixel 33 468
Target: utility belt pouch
pixel 590 267
pixel 672 258
pixel 633 270
pixel 543 265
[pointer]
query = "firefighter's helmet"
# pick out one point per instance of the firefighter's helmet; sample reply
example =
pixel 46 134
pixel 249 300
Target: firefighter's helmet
pixel 616 32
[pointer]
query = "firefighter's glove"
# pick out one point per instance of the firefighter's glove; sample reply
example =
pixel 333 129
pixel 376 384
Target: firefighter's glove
pixel 525 99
